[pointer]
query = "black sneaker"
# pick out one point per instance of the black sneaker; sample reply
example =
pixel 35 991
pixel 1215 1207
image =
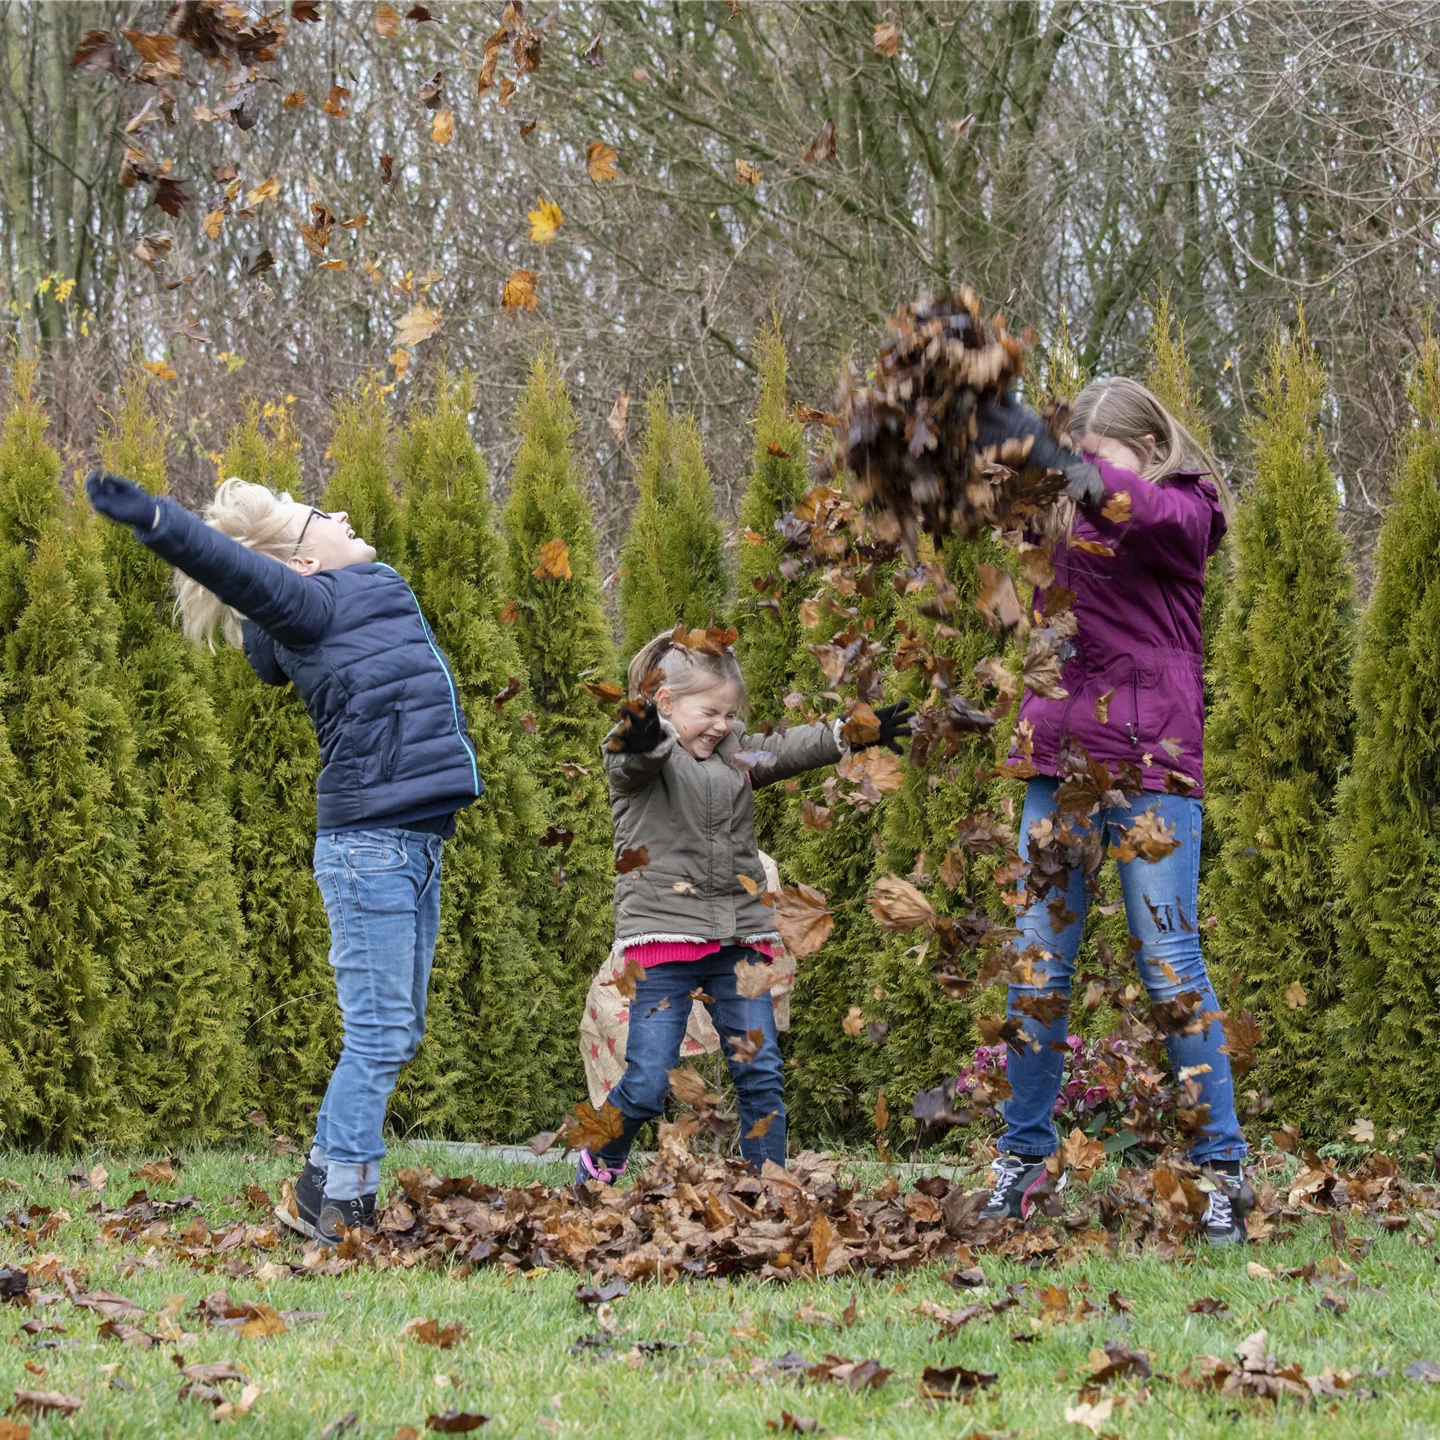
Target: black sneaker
pixel 309 1192
pixel 357 1214
pixel 1230 1202
pixel 1018 1188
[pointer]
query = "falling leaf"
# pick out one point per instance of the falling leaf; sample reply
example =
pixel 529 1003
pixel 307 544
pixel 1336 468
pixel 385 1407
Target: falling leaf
pixel 418 324
pixel 1080 1152
pixel 157 50
pixel 854 1021
pixel 153 244
pixel 442 128
pixel 761 1127
pixel 997 601
pixel 626 981
pixel 603 691
pixel 744 1048
pixel 689 1088
pixel 335 103
pixel 753 981
pixel 636 859
pixel 1172 747
pixel 545 220
pixel 1090 547
pixel 887 38
pixel 746 173
pixel 822 147
pixel 387 21
pixel 432 1332
pixel 1295 996
pixel 554 562
pixel 159 369
pixel 1363 1132
pixel 400 359
pixel 170 195
pixel 803 919
pixel 98 54
pixel 593 1129
pixel 619 413
pixel 519 292
pixel 305 11
pixel 1102 706
pixel 815 817
pixel 899 905
pixel 1117 507
pixel 265 190
pixel 507 92
pixel 882 1113
pixel 600 160
pixel 295 99
pixel 1150 838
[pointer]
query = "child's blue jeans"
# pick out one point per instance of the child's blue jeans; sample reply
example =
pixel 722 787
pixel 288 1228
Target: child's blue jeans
pixel 653 1047
pixel 1161 905
pixel 382 894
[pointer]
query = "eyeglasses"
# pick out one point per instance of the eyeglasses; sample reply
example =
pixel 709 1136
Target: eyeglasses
pixel 313 513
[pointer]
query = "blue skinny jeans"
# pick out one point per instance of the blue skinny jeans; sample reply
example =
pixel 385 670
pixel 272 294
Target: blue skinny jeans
pixel 653 1047
pixel 1155 894
pixel 382 894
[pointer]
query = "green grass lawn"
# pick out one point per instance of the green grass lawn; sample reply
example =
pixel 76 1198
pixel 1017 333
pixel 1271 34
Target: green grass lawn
pixel 515 1364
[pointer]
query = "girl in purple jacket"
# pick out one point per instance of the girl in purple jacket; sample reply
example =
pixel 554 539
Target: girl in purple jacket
pixel 1134 695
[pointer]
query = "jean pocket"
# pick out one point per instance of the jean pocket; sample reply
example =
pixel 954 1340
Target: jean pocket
pixel 372 857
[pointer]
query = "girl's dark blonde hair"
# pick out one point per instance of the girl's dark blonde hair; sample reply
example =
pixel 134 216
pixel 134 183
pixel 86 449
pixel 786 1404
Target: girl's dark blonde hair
pixel 1125 410
pixel 683 670
pixel 259 519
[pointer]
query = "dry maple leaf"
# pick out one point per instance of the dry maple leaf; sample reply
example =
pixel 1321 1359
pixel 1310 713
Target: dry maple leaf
pixel 629 977
pixel 887 38
pixel 898 905
pixel 753 981
pixel 689 1088
pixel 1295 996
pixel 882 1112
pixel 1090 547
pixel 619 414
pixel 603 692
pixel 803 918
pixel 815 817
pixel 400 359
pixel 748 884
pixel 592 1129
pixel 746 173
pixel 1149 838
pixel 387 21
pixel 432 1332
pixel 545 221
pixel 854 1021
pixel 335 103
pixel 744 1048
pixel 418 323
pixel 997 601
pixel 265 190
pixel 442 128
pixel 554 561
pixel 1117 507
pixel 636 859
pixel 1080 1152
pixel 1102 706
pixel 600 160
pixel 519 292
pixel 761 1127
pixel 822 147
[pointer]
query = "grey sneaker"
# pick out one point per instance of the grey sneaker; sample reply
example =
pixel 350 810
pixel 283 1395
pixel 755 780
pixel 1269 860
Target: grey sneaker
pixel 357 1214
pixel 1018 1188
pixel 1230 1202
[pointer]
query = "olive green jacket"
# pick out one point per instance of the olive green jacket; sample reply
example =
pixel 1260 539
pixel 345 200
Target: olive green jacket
pixel 696 820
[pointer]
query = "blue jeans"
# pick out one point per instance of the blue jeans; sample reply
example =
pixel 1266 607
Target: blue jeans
pixel 382 894
pixel 1161 907
pixel 653 1047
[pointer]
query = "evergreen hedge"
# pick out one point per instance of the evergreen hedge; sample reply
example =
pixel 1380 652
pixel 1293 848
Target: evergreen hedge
pixel 1278 739
pixel 673 566
pixel 1388 846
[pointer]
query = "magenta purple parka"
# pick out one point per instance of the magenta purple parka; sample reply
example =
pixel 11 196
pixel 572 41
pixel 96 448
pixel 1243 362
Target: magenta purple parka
pixel 1138 612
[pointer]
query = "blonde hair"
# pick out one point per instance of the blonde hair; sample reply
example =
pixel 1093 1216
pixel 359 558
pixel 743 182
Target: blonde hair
pixel 1125 410
pixel 683 670
pixel 259 519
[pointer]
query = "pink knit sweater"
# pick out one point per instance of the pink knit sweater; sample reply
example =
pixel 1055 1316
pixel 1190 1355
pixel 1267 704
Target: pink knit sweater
pixel 666 952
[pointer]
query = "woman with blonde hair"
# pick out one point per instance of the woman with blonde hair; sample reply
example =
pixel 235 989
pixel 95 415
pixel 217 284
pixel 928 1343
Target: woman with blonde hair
pixel 304 596
pixel 1145 509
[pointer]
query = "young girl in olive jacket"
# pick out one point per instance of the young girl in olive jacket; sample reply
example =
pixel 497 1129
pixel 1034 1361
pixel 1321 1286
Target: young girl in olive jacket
pixel 682 777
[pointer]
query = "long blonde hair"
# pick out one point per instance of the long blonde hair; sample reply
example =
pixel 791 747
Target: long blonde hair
pixel 1125 410
pixel 684 670
pixel 259 519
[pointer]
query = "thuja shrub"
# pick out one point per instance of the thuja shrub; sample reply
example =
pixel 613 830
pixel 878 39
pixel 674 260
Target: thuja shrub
pixel 1387 868
pixel 1278 740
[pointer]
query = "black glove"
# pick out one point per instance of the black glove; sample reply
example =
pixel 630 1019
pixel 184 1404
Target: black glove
pixel 644 732
pixel 894 723
pixel 121 500
pixel 1007 419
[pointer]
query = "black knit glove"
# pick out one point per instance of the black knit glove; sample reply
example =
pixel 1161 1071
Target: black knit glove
pixel 644 732
pixel 121 500
pixel 894 723
pixel 1007 419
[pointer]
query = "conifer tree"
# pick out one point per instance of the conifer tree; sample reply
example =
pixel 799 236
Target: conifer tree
pixel 69 852
pixel 673 564
pixel 362 482
pixel 1388 848
pixel 181 1063
pixel 553 585
pixel 1279 739
pixel 496 1022
pixel 294 1023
